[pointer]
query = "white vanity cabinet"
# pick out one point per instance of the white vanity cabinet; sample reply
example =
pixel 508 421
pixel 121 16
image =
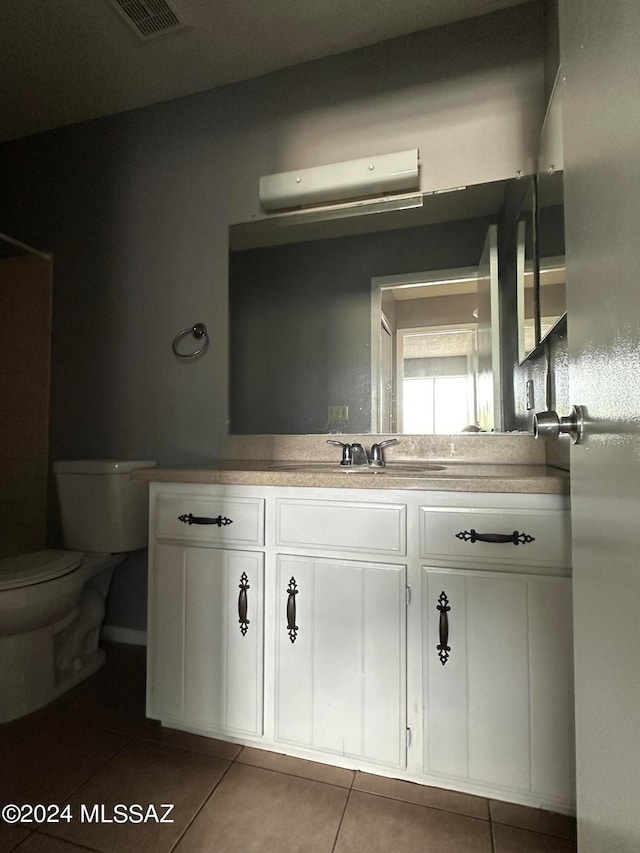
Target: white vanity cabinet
pixel 422 635
pixel 206 607
pixel 340 657
pixel 497 664
pixel 497 685
pixel 340 674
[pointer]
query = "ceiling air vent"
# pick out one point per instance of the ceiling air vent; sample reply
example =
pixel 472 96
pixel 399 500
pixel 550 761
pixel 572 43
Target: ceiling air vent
pixel 148 18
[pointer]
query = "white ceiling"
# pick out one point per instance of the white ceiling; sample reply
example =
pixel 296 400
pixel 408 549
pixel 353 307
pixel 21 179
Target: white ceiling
pixel 63 61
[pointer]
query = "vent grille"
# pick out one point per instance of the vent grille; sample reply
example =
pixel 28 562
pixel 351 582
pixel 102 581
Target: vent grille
pixel 148 18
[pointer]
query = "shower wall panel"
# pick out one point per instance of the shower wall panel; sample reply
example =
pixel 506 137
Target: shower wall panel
pixel 25 366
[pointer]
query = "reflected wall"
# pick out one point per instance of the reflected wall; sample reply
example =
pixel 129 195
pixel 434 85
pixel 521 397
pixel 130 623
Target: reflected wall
pixel 300 322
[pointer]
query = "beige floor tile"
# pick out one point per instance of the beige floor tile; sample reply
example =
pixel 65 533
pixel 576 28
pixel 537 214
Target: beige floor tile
pixel 152 730
pixel 37 843
pixel 125 668
pixel 46 762
pixel 113 698
pixel 260 811
pixel 8 733
pixel 297 767
pixel 114 709
pixel 537 820
pixel 374 824
pixel 509 839
pixel 52 711
pixel 423 795
pixel 143 773
pixel 10 836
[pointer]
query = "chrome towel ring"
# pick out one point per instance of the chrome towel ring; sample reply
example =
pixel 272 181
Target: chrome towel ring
pixel 199 332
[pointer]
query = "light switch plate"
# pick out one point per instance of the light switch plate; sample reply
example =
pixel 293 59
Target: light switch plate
pixel 338 413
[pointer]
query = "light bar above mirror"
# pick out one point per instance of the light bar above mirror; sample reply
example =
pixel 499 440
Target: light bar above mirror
pixel 369 177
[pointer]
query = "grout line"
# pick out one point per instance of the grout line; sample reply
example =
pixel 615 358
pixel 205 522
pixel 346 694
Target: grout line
pixel 542 832
pixel 96 771
pixel 344 812
pixel 298 775
pixel 59 838
pixel 202 805
pixel 424 805
pixel 493 837
pixel 149 739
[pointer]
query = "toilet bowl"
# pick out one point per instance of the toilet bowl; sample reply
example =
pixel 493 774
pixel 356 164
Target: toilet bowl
pixel 52 603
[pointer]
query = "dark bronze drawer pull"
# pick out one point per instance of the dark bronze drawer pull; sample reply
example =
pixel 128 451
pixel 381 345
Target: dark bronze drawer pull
pixel 443 608
pixel 292 628
pixel 221 521
pixel 515 538
pixel 242 604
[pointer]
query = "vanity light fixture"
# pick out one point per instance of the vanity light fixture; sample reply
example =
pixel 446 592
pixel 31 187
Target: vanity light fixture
pixel 350 209
pixel 372 178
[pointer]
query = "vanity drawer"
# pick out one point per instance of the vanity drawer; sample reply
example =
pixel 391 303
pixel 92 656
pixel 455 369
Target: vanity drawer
pixel 542 537
pixel 188 519
pixel 342 526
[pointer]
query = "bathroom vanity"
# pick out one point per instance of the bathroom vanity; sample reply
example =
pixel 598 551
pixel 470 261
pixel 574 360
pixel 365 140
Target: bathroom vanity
pixel 411 625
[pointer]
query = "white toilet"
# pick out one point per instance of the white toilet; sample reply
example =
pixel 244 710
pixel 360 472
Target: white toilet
pixel 52 603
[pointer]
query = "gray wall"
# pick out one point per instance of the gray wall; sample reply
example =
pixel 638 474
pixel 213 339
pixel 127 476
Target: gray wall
pixel 135 208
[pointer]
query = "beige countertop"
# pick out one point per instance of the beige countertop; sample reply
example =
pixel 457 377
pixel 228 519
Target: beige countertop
pixel 415 475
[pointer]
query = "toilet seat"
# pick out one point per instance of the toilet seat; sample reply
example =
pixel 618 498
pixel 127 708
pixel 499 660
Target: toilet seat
pixel 28 569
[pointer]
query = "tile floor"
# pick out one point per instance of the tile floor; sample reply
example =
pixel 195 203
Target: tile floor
pixel 94 746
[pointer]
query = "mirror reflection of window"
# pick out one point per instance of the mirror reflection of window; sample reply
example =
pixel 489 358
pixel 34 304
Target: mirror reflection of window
pixel 437 380
pixel 435 405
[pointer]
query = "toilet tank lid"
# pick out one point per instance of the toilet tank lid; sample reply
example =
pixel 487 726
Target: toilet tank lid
pixel 101 466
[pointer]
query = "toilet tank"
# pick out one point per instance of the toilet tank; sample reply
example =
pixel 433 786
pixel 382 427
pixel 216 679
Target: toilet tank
pixel 102 508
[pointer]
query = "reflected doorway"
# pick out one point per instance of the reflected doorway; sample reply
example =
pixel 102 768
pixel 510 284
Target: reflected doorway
pixel 442 329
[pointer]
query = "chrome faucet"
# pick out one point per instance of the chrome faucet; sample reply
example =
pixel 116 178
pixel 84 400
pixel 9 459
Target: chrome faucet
pixel 355 454
pixel 359 455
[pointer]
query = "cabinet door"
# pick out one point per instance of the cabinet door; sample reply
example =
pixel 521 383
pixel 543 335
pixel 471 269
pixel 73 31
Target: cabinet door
pixel 207 638
pixel 341 652
pixel 498 685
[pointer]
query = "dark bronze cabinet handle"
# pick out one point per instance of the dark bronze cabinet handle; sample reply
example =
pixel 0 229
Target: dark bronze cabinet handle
pixel 292 628
pixel 243 603
pixel 221 521
pixel 515 538
pixel 443 647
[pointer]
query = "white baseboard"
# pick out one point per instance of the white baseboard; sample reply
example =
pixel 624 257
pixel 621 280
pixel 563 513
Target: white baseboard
pixel 124 635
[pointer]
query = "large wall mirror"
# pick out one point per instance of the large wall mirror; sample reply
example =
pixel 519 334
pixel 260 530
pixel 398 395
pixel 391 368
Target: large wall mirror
pixel 386 322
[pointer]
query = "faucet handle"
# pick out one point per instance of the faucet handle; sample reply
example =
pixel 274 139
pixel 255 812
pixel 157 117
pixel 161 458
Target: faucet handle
pixel 377 458
pixel 347 458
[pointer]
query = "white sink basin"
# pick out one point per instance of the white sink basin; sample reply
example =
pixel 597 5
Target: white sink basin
pixel 398 469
